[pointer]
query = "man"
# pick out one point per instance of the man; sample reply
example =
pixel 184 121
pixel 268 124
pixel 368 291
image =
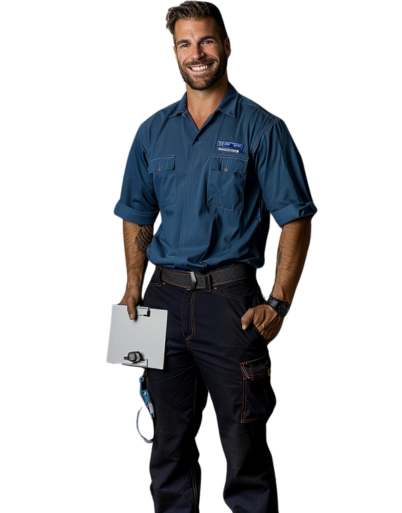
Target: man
pixel 215 165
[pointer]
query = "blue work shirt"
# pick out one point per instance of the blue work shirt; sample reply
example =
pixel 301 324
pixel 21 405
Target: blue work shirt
pixel 216 186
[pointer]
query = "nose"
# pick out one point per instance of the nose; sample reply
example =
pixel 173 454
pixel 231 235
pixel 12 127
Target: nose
pixel 197 53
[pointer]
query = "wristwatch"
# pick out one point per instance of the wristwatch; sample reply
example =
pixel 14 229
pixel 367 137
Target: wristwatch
pixel 280 307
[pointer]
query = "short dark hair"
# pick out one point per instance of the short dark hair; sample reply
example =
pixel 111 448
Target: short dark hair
pixel 197 11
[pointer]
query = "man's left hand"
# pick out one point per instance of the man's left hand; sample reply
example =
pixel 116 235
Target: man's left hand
pixel 265 319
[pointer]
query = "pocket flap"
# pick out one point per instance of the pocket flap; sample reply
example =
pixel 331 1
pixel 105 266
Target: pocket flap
pixel 257 368
pixel 160 164
pixel 228 164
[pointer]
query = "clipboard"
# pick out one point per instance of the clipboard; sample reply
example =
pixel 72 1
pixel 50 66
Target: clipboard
pixel 143 337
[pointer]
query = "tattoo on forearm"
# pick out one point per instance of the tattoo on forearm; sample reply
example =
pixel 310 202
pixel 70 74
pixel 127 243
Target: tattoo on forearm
pixel 144 237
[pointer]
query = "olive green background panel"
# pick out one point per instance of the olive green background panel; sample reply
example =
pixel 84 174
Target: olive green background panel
pixel 66 155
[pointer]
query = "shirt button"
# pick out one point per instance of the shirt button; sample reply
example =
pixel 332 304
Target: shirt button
pixel 226 169
pixel 159 170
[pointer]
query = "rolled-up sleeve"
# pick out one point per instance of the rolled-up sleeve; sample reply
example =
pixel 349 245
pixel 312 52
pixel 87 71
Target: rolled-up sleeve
pixel 138 202
pixel 280 170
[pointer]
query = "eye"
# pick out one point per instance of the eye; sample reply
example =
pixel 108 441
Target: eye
pixel 206 41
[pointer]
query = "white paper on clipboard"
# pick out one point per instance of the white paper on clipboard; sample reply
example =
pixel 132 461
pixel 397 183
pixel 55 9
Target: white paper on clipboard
pixel 146 334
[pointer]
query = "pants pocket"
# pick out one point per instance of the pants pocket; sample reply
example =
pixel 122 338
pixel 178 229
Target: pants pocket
pixel 258 397
pixel 257 332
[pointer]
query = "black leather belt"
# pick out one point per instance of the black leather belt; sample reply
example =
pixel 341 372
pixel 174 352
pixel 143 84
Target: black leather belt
pixel 192 280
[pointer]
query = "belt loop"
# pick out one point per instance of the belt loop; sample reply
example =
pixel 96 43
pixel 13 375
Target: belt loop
pixel 158 275
pixel 193 281
pixel 208 283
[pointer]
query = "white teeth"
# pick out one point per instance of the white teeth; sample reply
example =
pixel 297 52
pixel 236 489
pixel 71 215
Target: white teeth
pixel 199 68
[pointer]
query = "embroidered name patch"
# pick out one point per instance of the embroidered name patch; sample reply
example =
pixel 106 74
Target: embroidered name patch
pixel 229 146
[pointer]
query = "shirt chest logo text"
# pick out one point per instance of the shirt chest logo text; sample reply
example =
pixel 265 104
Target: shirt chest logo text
pixel 229 146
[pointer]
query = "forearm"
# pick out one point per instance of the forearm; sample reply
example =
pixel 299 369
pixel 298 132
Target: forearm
pixel 137 237
pixel 292 251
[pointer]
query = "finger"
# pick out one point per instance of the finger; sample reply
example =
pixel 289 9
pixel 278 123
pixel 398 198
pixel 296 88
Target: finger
pixel 247 318
pixel 132 312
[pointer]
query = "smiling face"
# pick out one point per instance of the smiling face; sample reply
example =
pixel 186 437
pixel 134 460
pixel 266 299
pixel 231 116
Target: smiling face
pixel 201 54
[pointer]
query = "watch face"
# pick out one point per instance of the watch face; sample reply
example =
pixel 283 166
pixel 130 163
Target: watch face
pixel 282 310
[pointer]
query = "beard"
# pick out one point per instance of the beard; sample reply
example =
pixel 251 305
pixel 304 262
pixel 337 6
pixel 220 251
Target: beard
pixel 208 79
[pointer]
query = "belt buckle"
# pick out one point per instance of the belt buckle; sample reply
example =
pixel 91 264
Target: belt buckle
pixel 193 280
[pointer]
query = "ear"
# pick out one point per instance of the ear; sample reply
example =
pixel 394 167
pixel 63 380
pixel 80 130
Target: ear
pixel 226 45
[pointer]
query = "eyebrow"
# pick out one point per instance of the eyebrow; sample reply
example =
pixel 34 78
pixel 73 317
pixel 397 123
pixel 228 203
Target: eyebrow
pixel 188 41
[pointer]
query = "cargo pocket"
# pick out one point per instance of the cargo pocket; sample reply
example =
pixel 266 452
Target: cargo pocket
pixel 226 181
pixel 164 176
pixel 258 396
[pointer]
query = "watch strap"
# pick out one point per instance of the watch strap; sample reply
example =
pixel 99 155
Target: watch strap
pixel 280 307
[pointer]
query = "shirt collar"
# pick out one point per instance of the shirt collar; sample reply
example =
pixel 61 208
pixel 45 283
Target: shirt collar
pixel 227 105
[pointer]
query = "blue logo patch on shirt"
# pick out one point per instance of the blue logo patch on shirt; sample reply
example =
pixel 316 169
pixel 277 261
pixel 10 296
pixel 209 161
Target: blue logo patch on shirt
pixel 229 146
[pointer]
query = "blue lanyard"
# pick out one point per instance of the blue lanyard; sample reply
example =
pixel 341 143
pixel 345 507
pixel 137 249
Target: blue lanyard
pixel 146 399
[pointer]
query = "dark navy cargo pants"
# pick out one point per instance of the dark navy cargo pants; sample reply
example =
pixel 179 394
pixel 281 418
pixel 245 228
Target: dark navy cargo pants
pixel 208 351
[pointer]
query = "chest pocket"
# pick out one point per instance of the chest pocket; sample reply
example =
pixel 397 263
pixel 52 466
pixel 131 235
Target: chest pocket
pixel 226 181
pixel 164 177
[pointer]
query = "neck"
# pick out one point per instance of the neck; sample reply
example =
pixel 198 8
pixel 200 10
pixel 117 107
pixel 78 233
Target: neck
pixel 206 103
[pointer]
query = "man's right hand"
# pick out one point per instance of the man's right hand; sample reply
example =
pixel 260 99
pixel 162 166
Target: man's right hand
pixel 131 298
